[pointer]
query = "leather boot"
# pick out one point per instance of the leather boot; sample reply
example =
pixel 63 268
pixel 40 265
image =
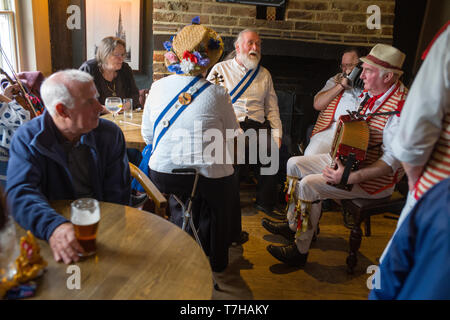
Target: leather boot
pixel 281 228
pixel 288 254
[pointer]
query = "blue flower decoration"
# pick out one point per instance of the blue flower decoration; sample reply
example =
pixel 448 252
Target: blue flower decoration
pixel 168 45
pixel 196 20
pixel 175 68
pixel 213 44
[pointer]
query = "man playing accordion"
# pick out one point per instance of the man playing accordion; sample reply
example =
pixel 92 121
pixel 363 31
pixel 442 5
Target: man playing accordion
pixel 311 179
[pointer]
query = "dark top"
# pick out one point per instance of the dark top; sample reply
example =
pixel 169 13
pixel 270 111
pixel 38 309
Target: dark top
pixel 38 172
pixel 123 85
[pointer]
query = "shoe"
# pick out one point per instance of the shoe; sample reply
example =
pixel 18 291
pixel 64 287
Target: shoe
pixel 288 254
pixel 138 200
pixel 273 213
pixel 281 228
pixel 243 238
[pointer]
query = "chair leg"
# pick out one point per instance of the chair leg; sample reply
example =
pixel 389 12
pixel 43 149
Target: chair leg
pixel 354 242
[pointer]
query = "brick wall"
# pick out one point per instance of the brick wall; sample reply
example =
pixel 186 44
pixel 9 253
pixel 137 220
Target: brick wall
pixel 320 21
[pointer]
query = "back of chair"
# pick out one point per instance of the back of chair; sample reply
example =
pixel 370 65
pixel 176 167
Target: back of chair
pixel 152 191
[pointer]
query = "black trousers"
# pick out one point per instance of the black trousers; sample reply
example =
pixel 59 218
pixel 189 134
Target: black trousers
pixel 212 211
pixel 266 192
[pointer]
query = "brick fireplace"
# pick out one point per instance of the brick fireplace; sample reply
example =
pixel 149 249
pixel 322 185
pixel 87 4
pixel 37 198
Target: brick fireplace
pixel 302 50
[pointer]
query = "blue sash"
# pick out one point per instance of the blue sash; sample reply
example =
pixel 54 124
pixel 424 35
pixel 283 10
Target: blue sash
pixel 148 150
pixel 235 96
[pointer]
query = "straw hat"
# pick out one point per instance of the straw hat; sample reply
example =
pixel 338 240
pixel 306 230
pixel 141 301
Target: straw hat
pixel 193 50
pixel 385 57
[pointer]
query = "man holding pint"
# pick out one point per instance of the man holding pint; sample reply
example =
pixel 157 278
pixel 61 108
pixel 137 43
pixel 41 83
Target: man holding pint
pixel 66 153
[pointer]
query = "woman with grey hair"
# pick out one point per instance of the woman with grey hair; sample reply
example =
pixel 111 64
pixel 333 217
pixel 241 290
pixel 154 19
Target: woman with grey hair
pixel 113 77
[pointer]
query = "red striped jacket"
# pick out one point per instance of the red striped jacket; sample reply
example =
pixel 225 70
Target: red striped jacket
pixel 376 126
pixel 438 166
pixel 326 116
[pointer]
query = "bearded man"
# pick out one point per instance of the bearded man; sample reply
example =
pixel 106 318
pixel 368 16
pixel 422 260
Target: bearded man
pixel 256 106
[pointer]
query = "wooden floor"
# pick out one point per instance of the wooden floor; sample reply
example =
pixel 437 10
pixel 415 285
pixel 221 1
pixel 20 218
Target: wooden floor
pixel 254 274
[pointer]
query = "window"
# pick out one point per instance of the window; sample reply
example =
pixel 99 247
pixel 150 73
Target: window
pixel 8 43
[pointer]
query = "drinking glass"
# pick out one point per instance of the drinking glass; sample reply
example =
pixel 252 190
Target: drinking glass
pixel 113 104
pixel 127 108
pixel 85 217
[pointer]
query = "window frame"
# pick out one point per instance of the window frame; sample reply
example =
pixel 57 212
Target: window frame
pixel 14 59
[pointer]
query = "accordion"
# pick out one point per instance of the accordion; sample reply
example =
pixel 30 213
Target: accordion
pixel 350 144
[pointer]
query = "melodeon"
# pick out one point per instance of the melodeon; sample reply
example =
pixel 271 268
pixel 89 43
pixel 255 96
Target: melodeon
pixel 350 144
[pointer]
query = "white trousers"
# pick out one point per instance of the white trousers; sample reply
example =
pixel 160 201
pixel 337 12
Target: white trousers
pixel 312 186
pixel 321 142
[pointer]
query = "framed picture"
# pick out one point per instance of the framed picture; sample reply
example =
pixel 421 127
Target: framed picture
pixel 118 18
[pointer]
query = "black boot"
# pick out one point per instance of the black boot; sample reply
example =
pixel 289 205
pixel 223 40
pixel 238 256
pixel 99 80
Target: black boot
pixel 288 254
pixel 274 213
pixel 281 228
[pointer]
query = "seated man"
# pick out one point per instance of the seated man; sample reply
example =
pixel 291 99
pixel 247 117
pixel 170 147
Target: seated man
pixel 308 176
pixel 183 114
pixel 335 98
pixel 12 116
pixel 256 106
pixel 66 153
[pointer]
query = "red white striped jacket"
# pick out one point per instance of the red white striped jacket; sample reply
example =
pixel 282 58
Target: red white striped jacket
pixel 376 125
pixel 438 166
pixel 326 116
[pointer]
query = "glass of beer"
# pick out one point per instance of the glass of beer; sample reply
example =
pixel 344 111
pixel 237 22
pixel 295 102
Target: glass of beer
pixel 85 217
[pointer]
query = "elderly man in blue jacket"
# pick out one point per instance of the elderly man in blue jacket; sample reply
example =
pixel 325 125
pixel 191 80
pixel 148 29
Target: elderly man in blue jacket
pixel 66 153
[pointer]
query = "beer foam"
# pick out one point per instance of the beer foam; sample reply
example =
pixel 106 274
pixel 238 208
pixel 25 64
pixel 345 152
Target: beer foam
pixel 85 217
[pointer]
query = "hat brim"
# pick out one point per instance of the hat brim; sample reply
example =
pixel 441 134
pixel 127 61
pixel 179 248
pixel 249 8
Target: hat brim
pixel 396 71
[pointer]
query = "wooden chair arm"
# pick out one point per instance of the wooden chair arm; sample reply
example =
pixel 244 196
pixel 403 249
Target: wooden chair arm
pixel 151 190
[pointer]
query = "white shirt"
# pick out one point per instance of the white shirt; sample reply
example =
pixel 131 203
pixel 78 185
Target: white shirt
pixel 258 102
pixel 184 145
pixel 322 141
pixel 349 101
pixel 389 132
pixel 426 105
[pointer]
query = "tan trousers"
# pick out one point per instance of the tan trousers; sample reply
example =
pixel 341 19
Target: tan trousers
pixel 310 187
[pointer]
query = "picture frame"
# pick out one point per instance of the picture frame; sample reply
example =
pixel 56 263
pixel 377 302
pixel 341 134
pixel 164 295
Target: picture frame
pixel 119 18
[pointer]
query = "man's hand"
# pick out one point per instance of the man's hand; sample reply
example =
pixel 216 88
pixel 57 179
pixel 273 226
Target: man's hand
pixel 64 244
pixel 342 81
pixel 334 176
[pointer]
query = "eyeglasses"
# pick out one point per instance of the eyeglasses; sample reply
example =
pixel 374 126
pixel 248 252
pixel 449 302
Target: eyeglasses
pixel 119 55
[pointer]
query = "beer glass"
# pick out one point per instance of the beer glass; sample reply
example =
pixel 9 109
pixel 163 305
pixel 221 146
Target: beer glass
pixel 127 108
pixel 85 217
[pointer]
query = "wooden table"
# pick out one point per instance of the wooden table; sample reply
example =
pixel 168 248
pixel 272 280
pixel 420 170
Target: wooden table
pixel 139 256
pixel 131 130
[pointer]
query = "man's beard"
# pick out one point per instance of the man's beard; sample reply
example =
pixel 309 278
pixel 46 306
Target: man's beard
pixel 250 60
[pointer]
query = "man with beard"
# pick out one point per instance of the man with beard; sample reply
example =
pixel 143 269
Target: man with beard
pixel 256 106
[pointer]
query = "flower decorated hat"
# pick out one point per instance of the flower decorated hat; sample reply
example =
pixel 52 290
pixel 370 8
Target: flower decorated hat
pixel 193 50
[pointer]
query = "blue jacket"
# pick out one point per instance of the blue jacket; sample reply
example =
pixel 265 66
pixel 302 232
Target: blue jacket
pixel 416 265
pixel 38 172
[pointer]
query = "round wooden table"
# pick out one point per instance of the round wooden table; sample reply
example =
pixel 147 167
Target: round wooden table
pixel 131 129
pixel 139 256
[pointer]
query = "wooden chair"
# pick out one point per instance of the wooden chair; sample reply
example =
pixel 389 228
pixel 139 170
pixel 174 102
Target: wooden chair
pixel 152 191
pixel 361 210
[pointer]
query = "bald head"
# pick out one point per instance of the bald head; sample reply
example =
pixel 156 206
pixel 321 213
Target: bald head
pixel 59 87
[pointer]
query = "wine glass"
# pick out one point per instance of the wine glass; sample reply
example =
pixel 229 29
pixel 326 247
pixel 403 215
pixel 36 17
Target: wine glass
pixel 113 104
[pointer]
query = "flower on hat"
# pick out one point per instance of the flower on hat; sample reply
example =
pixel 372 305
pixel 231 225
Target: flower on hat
pixel 189 56
pixel 171 57
pixel 213 44
pixel 167 45
pixel 187 66
pixel 202 62
pixel 175 68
